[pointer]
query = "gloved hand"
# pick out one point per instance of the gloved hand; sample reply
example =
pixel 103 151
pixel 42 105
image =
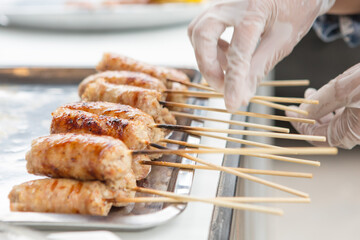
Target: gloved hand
pixel 277 25
pixel 338 111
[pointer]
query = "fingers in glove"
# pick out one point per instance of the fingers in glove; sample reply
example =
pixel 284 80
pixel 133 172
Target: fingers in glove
pixel 205 36
pixel 309 92
pixel 193 24
pixel 238 88
pixel 273 47
pixel 318 129
pixel 344 129
pixel 342 91
pixel 340 110
pixel 223 47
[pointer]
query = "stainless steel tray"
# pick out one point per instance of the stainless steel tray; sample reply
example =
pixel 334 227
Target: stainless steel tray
pixel 27 98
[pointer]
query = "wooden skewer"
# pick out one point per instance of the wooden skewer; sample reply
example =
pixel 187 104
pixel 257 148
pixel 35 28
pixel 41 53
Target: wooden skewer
pixel 230 199
pixel 186 144
pixel 218 202
pixel 244 132
pixel 286 100
pixel 193 145
pixel 244 170
pixel 267 156
pixel 238 123
pixel 286 83
pixel 249 114
pixel 278 83
pixel 239 174
pixel 195 85
pixel 240 151
pixel 285 159
pixel 231 139
pixel 279 106
pixel 254 100
pixel 220 95
pixel 195 93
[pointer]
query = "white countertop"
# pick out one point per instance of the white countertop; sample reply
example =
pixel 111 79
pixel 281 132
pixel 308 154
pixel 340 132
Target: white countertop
pixel 167 46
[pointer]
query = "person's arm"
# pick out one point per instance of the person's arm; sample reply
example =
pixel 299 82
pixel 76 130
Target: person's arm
pixel 345 7
pixel 342 21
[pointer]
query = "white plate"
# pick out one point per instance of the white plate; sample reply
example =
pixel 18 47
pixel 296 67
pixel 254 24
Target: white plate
pixel 53 15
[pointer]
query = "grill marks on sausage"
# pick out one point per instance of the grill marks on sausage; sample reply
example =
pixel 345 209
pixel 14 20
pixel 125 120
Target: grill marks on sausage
pixel 98 157
pixel 54 184
pixel 123 122
pixel 61 196
pixel 75 189
pixel 130 78
pixel 84 122
pixel 112 110
pixel 119 124
pixel 145 99
pixel 107 109
pixel 137 100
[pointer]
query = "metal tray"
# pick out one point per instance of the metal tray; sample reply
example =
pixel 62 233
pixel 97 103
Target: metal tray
pixel 27 98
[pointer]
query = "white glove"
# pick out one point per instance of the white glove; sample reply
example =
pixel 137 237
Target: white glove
pixel 338 111
pixel 277 25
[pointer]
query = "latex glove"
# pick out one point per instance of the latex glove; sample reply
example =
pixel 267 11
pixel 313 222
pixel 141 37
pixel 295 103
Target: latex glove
pixel 338 111
pixel 277 25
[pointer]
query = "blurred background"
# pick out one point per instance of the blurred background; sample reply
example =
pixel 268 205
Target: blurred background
pixel 76 33
pixel 335 209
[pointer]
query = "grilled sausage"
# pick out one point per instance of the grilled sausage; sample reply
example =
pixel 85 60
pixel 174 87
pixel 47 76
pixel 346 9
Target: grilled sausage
pixel 136 79
pixel 141 170
pixel 105 111
pixel 122 112
pixel 79 156
pixel 62 196
pixel 111 61
pixel 144 99
pixel 124 78
pixel 122 189
pixel 84 157
pixel 135 134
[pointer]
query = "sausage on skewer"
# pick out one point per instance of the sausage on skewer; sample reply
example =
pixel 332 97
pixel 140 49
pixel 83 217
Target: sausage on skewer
pixel 62 196
pixel 106 110
pixel 118 111
pixel 54 156
pixel 145 99
pixel 80 156
pixel 112 61
pixel 84 157
pixel 117 62
pixel 128 124
pixel 138 80
pixel 131 126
